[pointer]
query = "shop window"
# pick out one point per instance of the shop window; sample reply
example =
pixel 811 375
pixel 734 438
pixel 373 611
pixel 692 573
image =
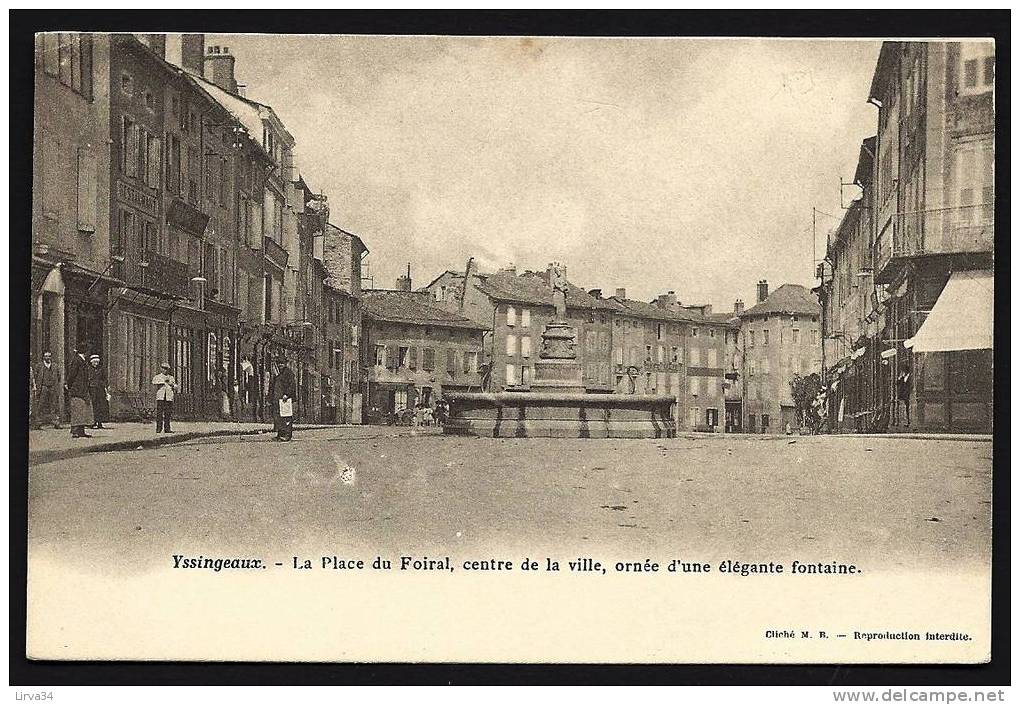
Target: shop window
pixel 933 372
pixel 970 371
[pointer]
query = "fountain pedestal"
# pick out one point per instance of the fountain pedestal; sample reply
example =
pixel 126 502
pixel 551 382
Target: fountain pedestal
pixel 557 369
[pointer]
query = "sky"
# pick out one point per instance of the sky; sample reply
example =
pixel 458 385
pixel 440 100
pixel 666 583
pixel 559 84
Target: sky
pixel 689 165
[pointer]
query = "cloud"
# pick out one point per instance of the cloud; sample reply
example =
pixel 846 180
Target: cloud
pixel 648 163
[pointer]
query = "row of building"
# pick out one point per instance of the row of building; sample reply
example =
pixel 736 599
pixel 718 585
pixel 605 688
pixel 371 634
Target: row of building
pixel 483 330
pixel 170 223
pixel 906 285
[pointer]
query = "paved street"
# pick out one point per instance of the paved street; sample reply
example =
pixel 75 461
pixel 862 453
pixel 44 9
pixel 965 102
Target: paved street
pixel 878 502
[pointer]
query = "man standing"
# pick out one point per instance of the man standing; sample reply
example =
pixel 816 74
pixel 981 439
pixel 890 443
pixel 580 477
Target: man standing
pixel 78 389
pixel 165 385
pixel 99 392
pixel 283 389
pixel 46 385
pixel 903 390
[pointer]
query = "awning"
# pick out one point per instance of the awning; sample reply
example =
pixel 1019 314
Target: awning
pixel 961 318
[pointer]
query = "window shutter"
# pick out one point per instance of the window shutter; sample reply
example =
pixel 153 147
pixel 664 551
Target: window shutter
pixel 155 161
pixel 87 183
pixel 50 175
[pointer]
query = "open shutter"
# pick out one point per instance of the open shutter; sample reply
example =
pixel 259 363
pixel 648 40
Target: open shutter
pixel 87 187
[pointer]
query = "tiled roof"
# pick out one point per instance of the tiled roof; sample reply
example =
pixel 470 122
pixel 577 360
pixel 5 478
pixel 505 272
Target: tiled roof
pixel 789 298
pixel 531 288
pixel 411 307
pixel 643 309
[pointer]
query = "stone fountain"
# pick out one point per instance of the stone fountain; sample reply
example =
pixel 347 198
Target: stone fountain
pixel 557 405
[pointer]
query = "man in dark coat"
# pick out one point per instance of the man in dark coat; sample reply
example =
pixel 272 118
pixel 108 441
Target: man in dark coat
pixel 282 390
pixel 46 385
pixel 78 390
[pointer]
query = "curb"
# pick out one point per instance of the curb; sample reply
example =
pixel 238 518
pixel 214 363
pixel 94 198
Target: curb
pixel 41 457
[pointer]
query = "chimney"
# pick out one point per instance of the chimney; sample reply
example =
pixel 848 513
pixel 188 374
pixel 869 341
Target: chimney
pixel 738 306
pixel 218 68
pixel 763 290
pixel 706 310
pixel 192 53
pixel 404 281
pixel 621 293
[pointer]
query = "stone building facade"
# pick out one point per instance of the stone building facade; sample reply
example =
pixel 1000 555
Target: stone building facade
pixel 779 337
pixel 414 352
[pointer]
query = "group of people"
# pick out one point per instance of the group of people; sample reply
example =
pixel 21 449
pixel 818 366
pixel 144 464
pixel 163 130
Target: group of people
pixel 87 389
pixel 426 414
pixel 88 395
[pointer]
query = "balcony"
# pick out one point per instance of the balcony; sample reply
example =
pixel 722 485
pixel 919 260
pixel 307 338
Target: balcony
pixel 967 230
pixel 275 252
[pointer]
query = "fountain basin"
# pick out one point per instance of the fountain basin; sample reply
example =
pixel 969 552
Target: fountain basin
pixel 559 415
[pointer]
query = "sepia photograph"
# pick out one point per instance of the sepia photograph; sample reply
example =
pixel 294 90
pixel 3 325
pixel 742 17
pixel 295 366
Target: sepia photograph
pixel 429 348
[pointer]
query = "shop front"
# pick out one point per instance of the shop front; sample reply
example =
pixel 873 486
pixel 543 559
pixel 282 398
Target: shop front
pixel 953 357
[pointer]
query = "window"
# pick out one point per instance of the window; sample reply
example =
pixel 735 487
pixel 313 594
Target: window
pixel 970 73
pixel 765 336
pixel 618 356
pixel 711 417
pixel 87 190
pixel 712 358
pixel 796 336
pixel 412 358
pixel 128 146
pixel 470 362
pixel 658 331
pixel 525 346
pixel 750 369
pixel 694 332
pixel 674 354
pixel 695 416
pixel 694 356
pixel 511 374
pixel 451 362
pixel 146 346
pixel 402 352
pixel 711 334
pixel 662 354
pixel 526 374
pixel 511 345
pixel 428 359
pixel 511 316
pixel 50 53
pixel 977 67
pixel 764 365
pixel 975 182
pixel 648 353
pixel 152 156
pixel 525 317
pixel 750 339
pixel 127 84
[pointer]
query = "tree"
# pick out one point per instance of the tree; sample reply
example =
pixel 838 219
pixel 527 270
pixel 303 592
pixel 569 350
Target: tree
pixel 804 389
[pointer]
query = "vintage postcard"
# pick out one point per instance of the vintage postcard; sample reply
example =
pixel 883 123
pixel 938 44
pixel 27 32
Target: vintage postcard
pixel 351 348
